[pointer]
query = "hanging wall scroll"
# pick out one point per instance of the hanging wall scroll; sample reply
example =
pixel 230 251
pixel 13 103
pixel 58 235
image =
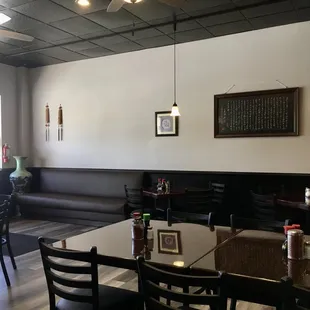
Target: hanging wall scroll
pixel 60 124
pixel 47 123
pixel 256 114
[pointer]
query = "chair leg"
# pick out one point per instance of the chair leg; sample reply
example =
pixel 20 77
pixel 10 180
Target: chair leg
pixel 6 276
pixel 8 244
pixel 233 304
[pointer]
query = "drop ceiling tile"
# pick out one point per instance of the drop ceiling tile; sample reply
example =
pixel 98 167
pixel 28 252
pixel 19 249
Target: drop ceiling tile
pixel 141 34
pixel 168 19
pixel 77 26
pixel 7 48
pixel 220 19
pixel 62 54
pixel 12 61
pixel 48 33
pixel 71 39
pixel 13 3
pixel 94 35
pixel 112 20
pixel 19 22
pixel 213 10
pixel 80 46
pixel 241 3
pixel 304 15
pixel 40 59
pixel 35 44
pixel 2 8
pixel 131 27
pixel 44 10
pixel 268 9
pixel 192 35
pixel 196 5
pixel 152 9
pixel 182 26
pixel 274 20
pixel 111 40
pixel 95 5
pixel 236 27
pixel 97 52
pixel 156 41
pixel 124 47
pixel 302 4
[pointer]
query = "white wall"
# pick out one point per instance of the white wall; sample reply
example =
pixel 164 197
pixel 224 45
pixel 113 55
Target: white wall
pixel 109 105
pixel 9 120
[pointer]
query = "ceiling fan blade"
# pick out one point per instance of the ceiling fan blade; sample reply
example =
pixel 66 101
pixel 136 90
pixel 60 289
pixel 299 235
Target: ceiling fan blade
pixel 174 3
pixel 15 35
pixel 115 5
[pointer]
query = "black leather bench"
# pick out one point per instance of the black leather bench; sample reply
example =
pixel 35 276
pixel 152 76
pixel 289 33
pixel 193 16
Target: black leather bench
pixel 80 196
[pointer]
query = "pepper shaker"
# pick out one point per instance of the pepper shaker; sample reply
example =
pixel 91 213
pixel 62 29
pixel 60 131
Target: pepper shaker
pixel 295 244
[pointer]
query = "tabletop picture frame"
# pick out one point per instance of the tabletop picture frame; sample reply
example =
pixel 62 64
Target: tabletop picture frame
pixel 166 125
pixel 169 242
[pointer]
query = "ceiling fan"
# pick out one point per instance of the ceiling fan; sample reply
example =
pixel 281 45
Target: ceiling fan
pixel 15 35
pixel 116 5
pixel 12 34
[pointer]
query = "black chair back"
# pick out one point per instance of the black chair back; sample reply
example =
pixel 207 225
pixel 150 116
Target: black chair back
pixel 4 218
pixel 152 280
pixel 264 206
pixel 199 200
pixel 301 298
pixel 187 217
pixel 255 224
pixel 89 287
pixel 256 290
pixel 218 192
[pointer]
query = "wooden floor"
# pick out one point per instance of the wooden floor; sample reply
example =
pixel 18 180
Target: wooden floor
pixel 28 290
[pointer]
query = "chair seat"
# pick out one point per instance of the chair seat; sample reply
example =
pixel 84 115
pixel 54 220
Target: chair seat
pixel 110 298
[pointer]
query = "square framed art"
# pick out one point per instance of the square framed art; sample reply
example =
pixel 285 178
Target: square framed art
pixel 166 125
pixel 169 242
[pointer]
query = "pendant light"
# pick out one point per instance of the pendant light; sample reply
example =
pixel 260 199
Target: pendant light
pixel 175 109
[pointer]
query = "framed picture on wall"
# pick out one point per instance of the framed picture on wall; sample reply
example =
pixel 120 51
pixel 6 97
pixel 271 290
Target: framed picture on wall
pixel 166 125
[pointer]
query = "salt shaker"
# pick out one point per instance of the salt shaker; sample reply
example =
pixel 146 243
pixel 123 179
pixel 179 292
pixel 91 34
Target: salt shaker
pixel 307 196
pixel 295 244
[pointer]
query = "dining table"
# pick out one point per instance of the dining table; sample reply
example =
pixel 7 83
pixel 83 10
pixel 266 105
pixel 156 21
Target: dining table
pixel 257 254
pixel 116 241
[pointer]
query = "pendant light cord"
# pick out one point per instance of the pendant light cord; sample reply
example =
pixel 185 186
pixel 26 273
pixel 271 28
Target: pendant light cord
pixel 174 60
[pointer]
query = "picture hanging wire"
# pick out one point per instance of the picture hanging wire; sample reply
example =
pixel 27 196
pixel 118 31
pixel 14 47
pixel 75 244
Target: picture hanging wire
pixel 230 88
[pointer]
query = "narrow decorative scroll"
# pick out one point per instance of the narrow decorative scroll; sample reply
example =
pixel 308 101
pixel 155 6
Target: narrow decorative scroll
pixel 60 124
pixel 47 123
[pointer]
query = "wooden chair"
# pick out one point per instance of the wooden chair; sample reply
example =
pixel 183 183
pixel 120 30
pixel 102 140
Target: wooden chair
pixel 155 293
pixel 300 298
pixel 255 290
pixel 86 294
pixel 5 238
pixel 135 203
pixel 218 192
pixel 254 224
pixel 186 217
pixel 199 200
pixel 264 206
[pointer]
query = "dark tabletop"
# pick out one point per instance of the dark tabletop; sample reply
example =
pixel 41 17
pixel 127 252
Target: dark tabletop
pixel 162 195
pixel 115 240
pixel 257 254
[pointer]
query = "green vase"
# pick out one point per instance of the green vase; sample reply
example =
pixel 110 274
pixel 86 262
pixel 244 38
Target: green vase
pixel 20 178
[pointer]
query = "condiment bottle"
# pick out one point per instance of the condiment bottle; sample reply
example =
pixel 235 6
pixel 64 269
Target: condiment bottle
pixel 146 222
pixel 150 238
pixel 286 229
pixel 307 196
pixel 137 226
pixel 295 244
pixel 159 185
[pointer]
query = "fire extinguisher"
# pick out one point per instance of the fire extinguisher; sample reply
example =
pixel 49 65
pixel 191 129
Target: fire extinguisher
pixel 5 153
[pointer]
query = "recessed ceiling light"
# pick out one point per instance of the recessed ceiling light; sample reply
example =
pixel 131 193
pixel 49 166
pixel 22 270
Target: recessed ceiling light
pixel 4 18
pixel 83 2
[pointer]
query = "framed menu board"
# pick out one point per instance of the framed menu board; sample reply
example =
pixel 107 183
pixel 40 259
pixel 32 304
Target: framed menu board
pixel 256 114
